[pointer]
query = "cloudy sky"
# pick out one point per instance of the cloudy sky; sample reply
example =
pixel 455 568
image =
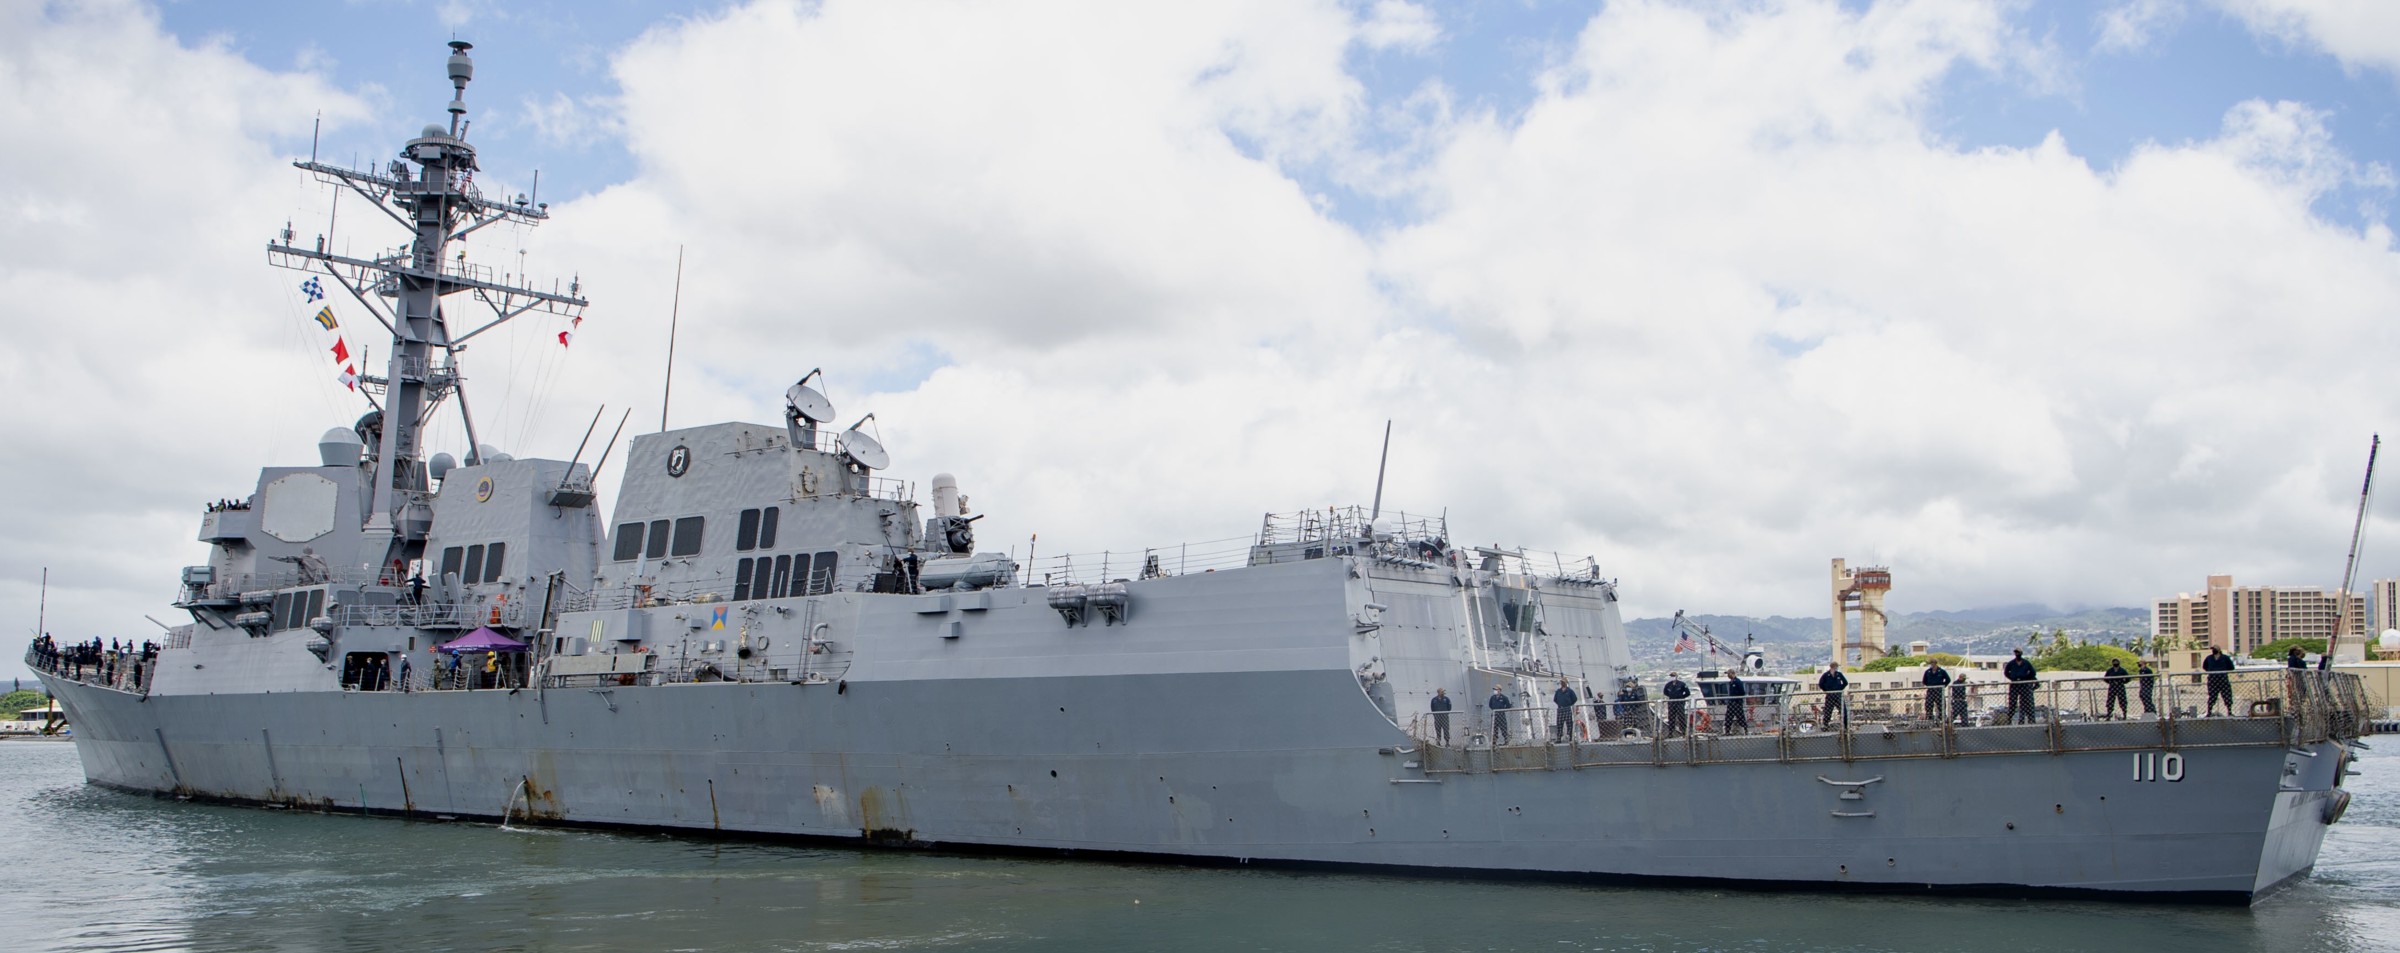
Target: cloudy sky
pixel 2064 302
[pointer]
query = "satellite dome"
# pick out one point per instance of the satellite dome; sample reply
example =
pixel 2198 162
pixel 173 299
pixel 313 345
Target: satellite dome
pixel 432 130
pixel 2389 641
pixel 440 465
pixel 498 458
pixel 340 447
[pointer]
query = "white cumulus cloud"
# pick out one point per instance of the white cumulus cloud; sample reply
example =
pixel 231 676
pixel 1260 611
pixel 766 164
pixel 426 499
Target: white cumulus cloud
pixel 2363 34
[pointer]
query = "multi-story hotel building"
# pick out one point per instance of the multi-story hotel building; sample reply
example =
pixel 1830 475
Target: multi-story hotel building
pixel 2241 618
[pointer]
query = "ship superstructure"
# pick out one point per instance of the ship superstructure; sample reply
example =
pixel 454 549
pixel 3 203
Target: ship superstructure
pixel 770 635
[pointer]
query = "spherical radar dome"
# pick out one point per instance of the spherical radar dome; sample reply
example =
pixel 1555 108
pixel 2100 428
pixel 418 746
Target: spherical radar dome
pixel 2389 641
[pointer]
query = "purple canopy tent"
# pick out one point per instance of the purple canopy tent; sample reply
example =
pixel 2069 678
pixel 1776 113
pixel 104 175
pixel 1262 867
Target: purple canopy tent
pixel 483 639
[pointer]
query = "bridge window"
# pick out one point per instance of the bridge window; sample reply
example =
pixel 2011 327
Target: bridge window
pixel 629 542
pixel 473 572
pixel 687 535
pixel 762 576
pixel 783 576
pixel 756 529
pixel 741 579
pixel 492 559
pixel 658 540
pixel 450 561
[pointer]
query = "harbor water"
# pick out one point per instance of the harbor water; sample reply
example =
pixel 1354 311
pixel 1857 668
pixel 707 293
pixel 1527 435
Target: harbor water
pixel 94 869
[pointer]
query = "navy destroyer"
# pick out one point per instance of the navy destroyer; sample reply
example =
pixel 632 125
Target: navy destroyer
pixel 770 637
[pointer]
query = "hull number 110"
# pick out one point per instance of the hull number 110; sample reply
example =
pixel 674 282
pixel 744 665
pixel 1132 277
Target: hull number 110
pixel 2153 766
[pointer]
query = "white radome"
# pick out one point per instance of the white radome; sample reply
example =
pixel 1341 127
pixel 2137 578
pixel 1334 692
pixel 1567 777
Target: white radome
pixel 2389 641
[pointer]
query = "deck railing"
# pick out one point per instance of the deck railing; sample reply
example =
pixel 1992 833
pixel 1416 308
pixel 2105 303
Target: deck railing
pixel 2074 714
pixel 127 670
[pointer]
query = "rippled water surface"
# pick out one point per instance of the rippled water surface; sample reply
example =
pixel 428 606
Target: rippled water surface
pixel 99 870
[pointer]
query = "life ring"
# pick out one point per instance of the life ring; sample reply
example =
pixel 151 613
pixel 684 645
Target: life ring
pixel 1700 719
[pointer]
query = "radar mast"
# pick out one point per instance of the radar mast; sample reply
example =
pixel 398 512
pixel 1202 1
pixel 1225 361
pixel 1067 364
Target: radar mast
pixel 403 288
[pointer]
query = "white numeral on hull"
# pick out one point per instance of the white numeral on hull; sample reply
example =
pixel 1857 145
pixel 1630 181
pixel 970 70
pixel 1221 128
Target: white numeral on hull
pixel 2154 766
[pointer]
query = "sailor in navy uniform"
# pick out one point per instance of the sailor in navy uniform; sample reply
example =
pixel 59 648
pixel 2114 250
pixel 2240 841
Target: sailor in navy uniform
pixel 1675 691
pixel 1499 705
pixel 1564 698
pixel 1936 678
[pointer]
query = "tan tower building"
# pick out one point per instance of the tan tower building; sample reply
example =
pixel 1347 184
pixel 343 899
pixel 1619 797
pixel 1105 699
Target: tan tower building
pixel 2241 618
pixel 1860 591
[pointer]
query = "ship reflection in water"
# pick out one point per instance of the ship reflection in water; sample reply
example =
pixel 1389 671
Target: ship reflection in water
pixel 102 870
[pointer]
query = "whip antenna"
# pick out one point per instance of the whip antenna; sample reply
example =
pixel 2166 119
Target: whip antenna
pixel 674 316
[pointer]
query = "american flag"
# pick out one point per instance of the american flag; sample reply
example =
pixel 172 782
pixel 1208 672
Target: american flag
pixel 1684 644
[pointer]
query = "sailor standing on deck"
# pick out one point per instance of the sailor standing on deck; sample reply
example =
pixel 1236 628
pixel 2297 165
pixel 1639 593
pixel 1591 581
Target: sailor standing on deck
pixel 1676 691
pixel 1960 701
pixel 1832 683
pixel 1441 716
pixel 2219 667
pixel 2149 682
pixel 1936 677
pixel 2116 676
pixel 2020 687
pixel 2296 683
pixel 1564 698
pixel 1499 705
pixel 1737 708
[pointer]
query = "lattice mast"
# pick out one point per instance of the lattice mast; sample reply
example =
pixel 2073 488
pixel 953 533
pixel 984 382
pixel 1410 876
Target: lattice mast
pixel 403 288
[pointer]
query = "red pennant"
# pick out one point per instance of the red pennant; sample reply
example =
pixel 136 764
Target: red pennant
pixel 341 350
pixel 563 336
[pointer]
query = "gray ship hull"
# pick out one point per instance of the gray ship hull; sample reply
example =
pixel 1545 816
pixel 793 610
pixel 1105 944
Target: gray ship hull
pixel 1158 766
pixel 769 636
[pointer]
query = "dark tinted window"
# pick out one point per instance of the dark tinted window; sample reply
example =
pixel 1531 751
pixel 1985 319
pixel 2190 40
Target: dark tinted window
pixel 280 617
pixel 741 580
pixel 766 526
pixel 492 560
pixel 783 576
pixel 745 533
pixel 473 571
pixel 629 541
pixel 762 579
pixel 821 574
pixel 687 536
pixel 450 559
pixel 658 539
pixel 316 606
